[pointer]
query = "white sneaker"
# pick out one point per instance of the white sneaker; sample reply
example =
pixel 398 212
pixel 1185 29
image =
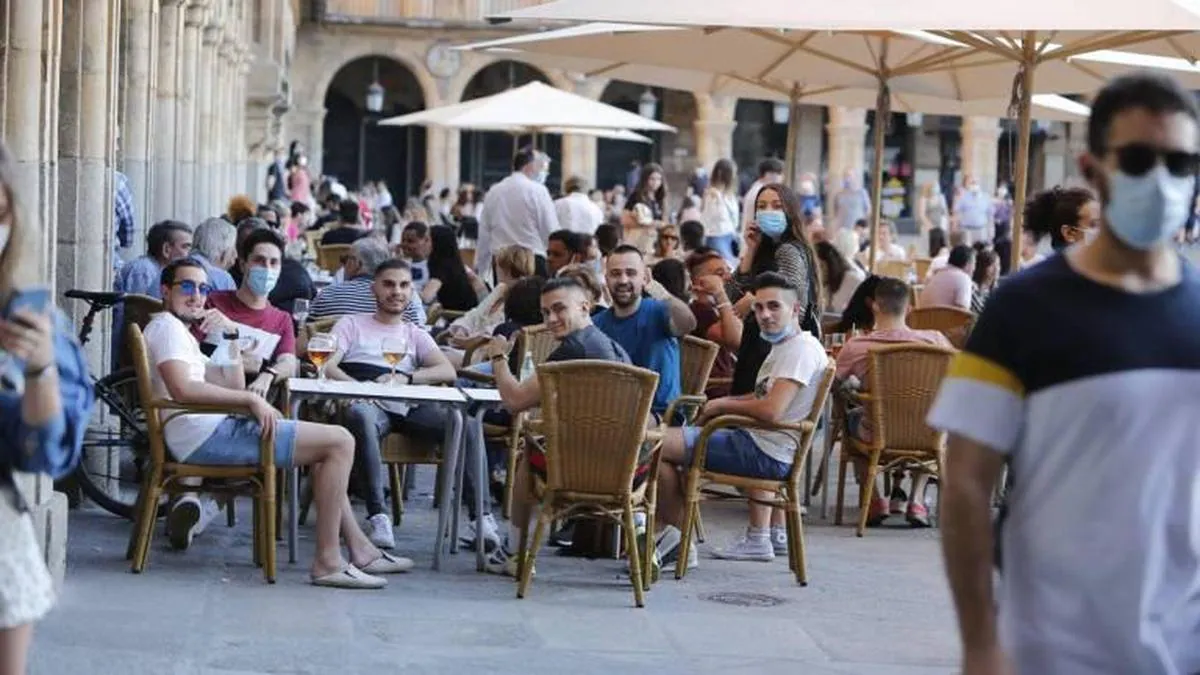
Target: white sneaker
pixel 747 548
pixel 379 531
pixel 186 512
pixel 503 562
pixel 779 540
pixel 209 510
pixel 667 550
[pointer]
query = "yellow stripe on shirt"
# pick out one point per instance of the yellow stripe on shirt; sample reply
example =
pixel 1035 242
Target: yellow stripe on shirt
pixel 973 367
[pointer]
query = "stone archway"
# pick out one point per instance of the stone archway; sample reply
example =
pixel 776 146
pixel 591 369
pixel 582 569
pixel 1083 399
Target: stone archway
pixel 354 147
pixel 485 157
pixel 756 136
pixel 675 152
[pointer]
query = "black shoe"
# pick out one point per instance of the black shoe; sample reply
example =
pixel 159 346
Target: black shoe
pixel 564 537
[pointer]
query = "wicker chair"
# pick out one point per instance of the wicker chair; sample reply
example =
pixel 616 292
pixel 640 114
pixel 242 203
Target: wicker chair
pixel 397 452
pixel 898 269
pixel 162 475
pixel 902 380
pixel 594 427
pixel 696 358
pixel 789 491
pixel 921 266
pixel 311 328
pixel 952 322
pixel 312 240
pixel 330 256
pixel 137 311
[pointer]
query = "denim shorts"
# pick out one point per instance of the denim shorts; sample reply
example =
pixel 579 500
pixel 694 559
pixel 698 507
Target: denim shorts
pixel 235 443
pixel 733 451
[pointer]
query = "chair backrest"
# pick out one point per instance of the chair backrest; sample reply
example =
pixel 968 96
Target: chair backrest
pixel 953 322
pixel 893 268
pixel 921 265
pixel 312 238
pixel 595 415
pixel 696 358
pixel 138 310
pixel 141 366
pixel 308 329
pixel 330 257
pixel 902 382
pixel 540 342
pixel 468 256
pixel 812 419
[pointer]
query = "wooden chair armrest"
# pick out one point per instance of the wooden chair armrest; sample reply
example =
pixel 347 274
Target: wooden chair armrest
pixel 471 345
pixel 473 376
pixel 741 422
pixel 266 457
pixel 686 402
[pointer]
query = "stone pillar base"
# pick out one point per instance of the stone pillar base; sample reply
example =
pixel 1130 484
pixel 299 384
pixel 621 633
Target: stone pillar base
pixel 50 524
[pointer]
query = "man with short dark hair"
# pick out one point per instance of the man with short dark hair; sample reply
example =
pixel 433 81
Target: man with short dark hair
pixel 354 295
pixel 566 308
pixel 294 282
pixel 167 241
pixel 416 244
pixel 517 211
pixel 563 248
pixel 713 296
pixel 952 285
pixel 647 328
pixel 349 228
pixel 576 211
pixel 785 390
pixel 691 235
pixel 1081 377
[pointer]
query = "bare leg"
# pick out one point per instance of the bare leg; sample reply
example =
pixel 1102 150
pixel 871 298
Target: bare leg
pixel 14 648
pixel 670 480
pixel 778 516
pixel 362 551
pixel 761 515
pixel 331 450
pixel 920 483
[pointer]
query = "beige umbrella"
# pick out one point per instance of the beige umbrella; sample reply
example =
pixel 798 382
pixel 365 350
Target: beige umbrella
pixel 796 42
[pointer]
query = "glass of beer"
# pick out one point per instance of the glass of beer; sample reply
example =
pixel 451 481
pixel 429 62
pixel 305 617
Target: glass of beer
pixel 320 347
pixel 394 348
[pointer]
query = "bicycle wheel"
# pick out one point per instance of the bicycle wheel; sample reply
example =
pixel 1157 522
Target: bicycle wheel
pixel 116 454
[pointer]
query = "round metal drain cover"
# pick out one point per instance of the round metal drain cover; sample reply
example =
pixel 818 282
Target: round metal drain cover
pixel 745 599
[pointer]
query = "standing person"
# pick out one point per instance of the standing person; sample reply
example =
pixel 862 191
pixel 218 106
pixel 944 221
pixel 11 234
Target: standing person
pixel 1093 413
pixel 851 203
pixel 576 212
pixel 300 181
pixel 517 211
pixel 933 216
pixel 124 217
pixel 1002 211
pixel 719 209
pixel 43 414
pixel 973 211
pixel 276 182
pixel 770 172
pixel 646 208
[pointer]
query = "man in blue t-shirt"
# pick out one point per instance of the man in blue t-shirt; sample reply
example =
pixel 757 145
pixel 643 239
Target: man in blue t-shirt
pixel 648 328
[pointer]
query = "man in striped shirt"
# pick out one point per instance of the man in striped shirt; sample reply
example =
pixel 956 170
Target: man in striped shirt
pixel 354 296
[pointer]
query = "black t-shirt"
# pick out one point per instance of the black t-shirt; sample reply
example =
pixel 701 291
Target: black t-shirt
pixel 588 343
pixel 342 235
pixel 294 283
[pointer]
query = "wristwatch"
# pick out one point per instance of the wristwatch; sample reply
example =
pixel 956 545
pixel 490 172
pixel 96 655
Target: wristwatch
pixel 409 376
pixel 266 369
pixel 38 373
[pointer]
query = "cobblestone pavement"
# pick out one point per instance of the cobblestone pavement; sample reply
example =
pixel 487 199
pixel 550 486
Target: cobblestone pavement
pixel 873 605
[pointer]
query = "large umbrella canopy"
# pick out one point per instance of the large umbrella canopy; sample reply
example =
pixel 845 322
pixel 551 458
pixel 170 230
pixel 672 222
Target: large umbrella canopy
pixel 532 108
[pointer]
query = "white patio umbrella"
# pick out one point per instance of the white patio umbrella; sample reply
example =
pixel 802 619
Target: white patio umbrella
pixel 798 42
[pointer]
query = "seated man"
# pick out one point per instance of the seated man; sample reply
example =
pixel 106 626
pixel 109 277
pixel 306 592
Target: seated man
pixel 647 328
pixel 349 228
pixel 566 312
pixel 952 285
pixel 416 244
pixel 563 248
pixel 360 357
pixel 785 391
pixel 889 305
pixel 355 295
pixel 180 372
pixel 716 319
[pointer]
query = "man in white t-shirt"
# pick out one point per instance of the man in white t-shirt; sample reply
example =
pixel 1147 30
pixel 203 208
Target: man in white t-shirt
pixel 576 211
pixel 416 245
pixel 785 391
pixel 362 341
pixel 180 372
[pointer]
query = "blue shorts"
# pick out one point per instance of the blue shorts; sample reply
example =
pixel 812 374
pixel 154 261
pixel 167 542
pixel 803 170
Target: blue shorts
pixel 734 451
pixel 235 443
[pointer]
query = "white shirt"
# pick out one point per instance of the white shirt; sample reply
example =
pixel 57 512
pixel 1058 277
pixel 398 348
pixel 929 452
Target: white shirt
pixel 167 339
pixel 517 211
pixel 801 359
pixel 748 201
pixel 720 213
pixel 420 274
pixel 577 213
pixel 854 276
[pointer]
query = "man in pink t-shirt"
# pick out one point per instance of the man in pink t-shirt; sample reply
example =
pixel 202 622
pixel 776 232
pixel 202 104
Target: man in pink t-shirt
pixel 889 305
pixel 951 286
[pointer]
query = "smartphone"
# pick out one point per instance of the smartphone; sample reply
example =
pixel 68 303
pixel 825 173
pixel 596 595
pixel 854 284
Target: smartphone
pixel 36 299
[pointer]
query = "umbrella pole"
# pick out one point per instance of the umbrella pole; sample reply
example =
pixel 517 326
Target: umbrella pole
pixel 793 133
pixel 1025 125
pixel 882 112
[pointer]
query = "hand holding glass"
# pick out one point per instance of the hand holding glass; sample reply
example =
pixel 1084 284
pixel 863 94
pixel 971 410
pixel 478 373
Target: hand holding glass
pixel 320 347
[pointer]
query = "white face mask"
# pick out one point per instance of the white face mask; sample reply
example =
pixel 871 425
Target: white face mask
pixel 1146 211
pixel 5 229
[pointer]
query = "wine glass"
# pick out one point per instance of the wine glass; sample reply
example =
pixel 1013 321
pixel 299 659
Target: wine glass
pixel 320 347
pixel 300 311
pixel 394 347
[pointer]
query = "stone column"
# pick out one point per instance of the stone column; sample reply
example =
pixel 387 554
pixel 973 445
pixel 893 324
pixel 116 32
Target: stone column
pixel 808 141
pixel 207 101
pixel 137 132
pixel 167 110
pixel 246 170
pixel 186 107
pixel 86 151
pixel 579 151
pixel 714 128
pixel 847 131
pixel 980 150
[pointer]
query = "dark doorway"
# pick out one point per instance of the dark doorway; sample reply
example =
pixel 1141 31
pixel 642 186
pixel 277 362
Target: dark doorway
pixel 614 159
pixel 356 148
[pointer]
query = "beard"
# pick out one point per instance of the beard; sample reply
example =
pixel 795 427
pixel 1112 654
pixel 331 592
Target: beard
pixel 628 291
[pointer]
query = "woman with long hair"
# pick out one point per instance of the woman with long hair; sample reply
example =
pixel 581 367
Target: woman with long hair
pixel 666 245
pixel 719 211
pixel 932 216
pixel 646 208
pixel 45 402
pixel 450 283
pixel 1066 214
pixel 513 263
pixel 985 276
pixel 841 277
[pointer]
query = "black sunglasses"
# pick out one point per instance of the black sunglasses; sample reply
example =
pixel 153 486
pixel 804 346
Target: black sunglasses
pixel 190 287
pixel 1136 159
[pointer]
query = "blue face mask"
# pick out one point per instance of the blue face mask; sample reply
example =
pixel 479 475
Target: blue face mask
pixel 261 280
pixel 1145 211
pixel 776 338
pixel 542 176
pixel 771 223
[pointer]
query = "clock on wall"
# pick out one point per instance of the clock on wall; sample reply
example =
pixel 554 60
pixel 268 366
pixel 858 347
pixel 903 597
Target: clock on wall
pixel 442 60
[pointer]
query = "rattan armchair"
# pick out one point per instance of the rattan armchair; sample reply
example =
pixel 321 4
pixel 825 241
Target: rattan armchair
pixel 330 256
pixel 952 322
pixel 897 269
pixel 163 475
pixel 902 381
pixel 789 491
pixel 696 358
pixel 594 428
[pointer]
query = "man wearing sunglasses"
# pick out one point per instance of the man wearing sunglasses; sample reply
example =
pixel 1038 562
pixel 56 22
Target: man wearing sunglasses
pixel 180 372
pixel 1082 375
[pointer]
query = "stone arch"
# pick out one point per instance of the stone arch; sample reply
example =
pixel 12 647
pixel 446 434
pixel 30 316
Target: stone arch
pixel 757 135
pixel 360 49
pixel 355 148
pixel 677 153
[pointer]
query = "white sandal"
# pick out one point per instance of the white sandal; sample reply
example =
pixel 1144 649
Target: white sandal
pixel 387 563
pixel 350 577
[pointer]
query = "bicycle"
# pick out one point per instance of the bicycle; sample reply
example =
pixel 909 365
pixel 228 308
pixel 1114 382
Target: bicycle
pixel 111 470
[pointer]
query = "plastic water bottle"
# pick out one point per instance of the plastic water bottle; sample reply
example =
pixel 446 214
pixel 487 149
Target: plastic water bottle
pixel 527 370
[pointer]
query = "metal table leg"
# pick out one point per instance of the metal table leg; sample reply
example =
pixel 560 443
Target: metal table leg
pixel 450 445
pixel 483 478
pixel 459 468
pixel 293 488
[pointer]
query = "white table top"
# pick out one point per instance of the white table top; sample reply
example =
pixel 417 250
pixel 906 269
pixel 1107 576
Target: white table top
pixel 479 395
pixel 374 390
